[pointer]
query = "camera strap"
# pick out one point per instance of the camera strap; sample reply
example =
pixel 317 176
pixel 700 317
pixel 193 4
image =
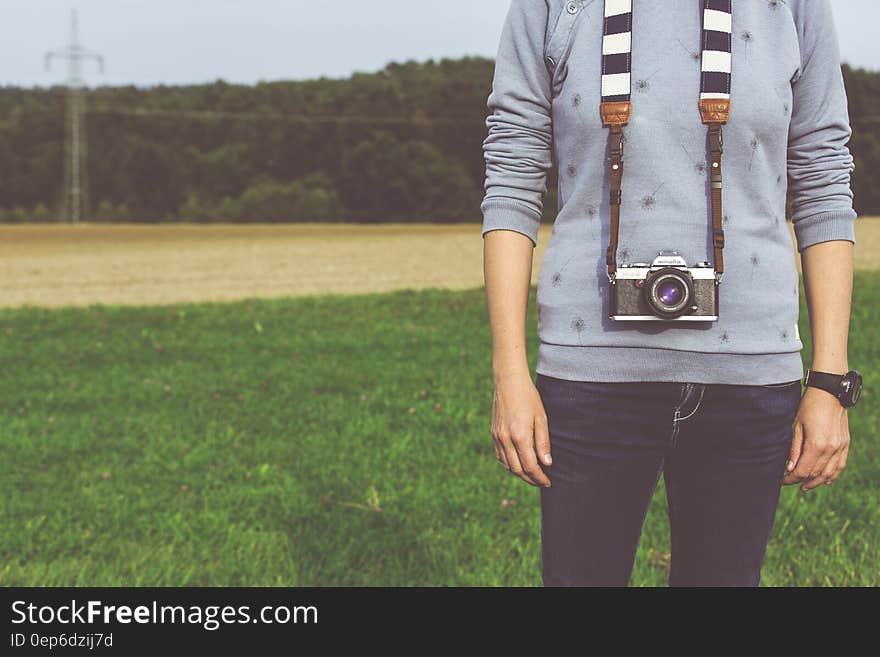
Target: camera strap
pixel 714 104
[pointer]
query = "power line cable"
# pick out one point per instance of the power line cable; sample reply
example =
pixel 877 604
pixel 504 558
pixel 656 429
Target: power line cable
pixel 292 118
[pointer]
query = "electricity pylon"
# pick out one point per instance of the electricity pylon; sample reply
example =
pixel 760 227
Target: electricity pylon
pixel 76 201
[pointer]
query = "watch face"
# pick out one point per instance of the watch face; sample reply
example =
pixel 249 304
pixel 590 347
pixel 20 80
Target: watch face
pixel 851 386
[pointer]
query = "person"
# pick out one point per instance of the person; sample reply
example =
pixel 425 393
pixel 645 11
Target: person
pixel 715 405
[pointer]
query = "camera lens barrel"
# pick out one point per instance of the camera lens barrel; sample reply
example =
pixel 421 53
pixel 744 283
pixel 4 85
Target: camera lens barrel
pixel 669 292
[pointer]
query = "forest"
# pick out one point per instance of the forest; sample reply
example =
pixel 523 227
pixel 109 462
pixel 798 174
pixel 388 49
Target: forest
pixel 400 144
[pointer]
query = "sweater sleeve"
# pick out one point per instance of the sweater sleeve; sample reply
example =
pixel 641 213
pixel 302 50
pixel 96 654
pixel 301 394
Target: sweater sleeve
pixel 819 161
pixel 517 149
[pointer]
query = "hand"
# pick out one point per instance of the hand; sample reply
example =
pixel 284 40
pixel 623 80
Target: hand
pixel 519 429
pixel 820 440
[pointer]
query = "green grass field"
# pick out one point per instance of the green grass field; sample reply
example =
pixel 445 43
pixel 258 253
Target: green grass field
pixel 339 440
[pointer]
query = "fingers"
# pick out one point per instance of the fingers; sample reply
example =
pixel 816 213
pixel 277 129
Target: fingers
pixel 508 454
pixel 525 449
pixel 843 456
pixel 517 467
pixel 805 466
pixel 542 440
pixel 825 451
pixel 499 452
pixel 825 476
pixel 837 462
pixel 839 465
pixel 505 451
pixel 797 442
pixel 820 457
pixel 516 450
pixel 814 450
pixel 844 452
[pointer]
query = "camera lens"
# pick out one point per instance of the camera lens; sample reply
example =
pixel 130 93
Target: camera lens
pixel 669 292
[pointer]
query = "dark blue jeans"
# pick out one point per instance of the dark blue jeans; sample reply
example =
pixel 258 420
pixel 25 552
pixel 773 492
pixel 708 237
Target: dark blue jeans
pixel 722 451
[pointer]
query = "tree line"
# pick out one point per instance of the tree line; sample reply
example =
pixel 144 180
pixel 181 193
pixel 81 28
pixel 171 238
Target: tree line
pixel 401 144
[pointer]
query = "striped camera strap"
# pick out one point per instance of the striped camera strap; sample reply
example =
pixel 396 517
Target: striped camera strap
pixel 714 103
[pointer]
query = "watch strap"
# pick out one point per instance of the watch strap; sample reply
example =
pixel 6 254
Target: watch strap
pixel 824 381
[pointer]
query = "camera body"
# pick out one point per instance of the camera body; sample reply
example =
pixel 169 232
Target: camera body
pixel 664 290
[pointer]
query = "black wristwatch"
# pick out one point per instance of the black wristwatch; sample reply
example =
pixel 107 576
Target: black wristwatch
pixel 846 387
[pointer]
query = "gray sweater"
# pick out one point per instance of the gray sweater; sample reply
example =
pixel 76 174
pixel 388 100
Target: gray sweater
pixel 788 128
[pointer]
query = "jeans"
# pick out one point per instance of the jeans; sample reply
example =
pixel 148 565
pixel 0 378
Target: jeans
pixel 721 448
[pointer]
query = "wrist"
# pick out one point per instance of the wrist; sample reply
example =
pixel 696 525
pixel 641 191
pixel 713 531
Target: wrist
pixel 832 366
pixel 506 370
pixel 833 360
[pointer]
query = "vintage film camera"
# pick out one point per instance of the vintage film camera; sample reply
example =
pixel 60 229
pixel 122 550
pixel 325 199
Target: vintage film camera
pixel 666 289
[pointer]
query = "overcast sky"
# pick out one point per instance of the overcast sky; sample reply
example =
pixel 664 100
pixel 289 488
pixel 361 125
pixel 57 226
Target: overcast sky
pixel 148 42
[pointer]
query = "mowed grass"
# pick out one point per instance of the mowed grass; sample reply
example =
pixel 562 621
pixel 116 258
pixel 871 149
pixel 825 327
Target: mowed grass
pixel 335 440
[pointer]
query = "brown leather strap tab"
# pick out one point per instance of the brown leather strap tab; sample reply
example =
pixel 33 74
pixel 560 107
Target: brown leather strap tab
pixel 715 110
pixel 615 149
pixel 616 112
pixel 715 150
